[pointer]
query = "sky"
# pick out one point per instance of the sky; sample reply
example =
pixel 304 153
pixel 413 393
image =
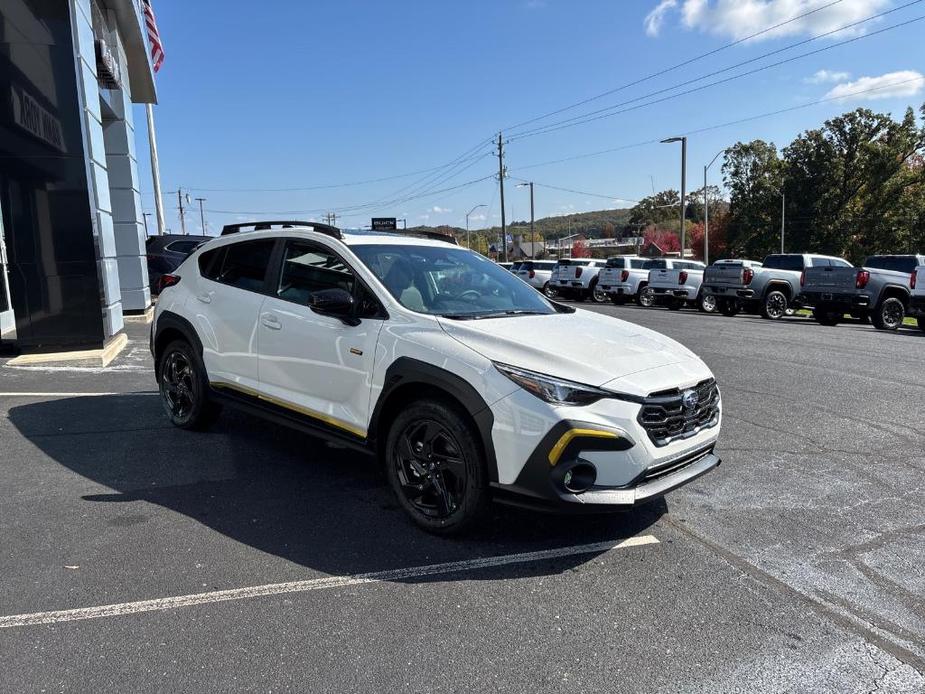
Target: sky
pixel 288 109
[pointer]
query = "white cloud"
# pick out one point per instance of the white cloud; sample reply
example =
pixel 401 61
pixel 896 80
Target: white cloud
pixel 654 20
pixel 892 84
pixel 436 209
pixel 824 76
pixel 737 19
pixel 425 217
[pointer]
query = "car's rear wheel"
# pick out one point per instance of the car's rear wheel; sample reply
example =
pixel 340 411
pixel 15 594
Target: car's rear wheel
pixel 728 307
pixel 598 295
pixel 645 297
pixel 826 316
pixel 436 467
pixel 775 305
pixel 550 291
pixel 889 315
pixel 184 387
pixel 707 303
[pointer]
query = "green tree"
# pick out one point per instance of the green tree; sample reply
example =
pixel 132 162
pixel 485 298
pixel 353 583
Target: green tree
pixel 657 208
pixel 752 173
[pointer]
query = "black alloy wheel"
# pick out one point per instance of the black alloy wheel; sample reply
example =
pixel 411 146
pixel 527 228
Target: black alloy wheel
pixel 436 468
pixel 550 291
pixel 890 314
pixel 775 305
pixel 183 387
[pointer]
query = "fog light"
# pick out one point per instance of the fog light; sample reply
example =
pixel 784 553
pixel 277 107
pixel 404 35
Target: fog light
pixel 579 478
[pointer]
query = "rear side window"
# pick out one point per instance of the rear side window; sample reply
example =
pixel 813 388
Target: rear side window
pixel 210 263
pixel 615 262
pixel 784 262
pixel 543 265
pixel 637 263
pixel 655 265
pixel 245 264
pixel 898 263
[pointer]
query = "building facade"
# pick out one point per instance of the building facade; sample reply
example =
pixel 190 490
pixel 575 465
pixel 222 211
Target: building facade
pixel 72 244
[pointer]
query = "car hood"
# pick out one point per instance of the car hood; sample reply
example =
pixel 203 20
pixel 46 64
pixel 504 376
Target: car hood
pixel 582 346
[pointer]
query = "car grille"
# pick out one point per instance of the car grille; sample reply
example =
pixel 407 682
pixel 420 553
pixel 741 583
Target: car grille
pixel 665 417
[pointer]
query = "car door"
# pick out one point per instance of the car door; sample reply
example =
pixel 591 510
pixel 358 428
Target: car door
pixel 318 365
pixel 226 303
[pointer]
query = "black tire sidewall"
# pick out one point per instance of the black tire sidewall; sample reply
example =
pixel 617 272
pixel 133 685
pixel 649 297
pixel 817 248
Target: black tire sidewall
pixel 767 298
pixel 878 314
pixel 201 413
pixel 474 504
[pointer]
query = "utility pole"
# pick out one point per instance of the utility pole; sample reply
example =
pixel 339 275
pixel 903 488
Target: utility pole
pixel 202 218
pixel 706 211
pixel 532 221
pixel 182 220
pixel 155 171
pixel 783 215
pixel 501 181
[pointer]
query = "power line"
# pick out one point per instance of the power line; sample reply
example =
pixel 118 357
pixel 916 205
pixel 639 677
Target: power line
pixel 606 112
pixel 578 192
pixel 739 121
pixel 673 67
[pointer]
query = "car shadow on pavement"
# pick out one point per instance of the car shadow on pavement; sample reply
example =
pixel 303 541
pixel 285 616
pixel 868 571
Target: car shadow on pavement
pixel 283 492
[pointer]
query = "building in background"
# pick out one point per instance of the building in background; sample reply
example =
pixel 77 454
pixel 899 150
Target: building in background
pixel 72 247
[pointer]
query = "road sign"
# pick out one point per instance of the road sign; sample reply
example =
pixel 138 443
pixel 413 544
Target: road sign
pixel 384 224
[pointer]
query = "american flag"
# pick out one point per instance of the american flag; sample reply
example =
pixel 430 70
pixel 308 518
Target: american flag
pixel 154 37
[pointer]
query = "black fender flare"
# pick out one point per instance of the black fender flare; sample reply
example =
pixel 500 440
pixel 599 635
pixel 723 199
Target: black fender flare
pixel 407 371
pixel 170 321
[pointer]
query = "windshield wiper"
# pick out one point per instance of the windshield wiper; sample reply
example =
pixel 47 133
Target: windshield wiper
pixel 492 314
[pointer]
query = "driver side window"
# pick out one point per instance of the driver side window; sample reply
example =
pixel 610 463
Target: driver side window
pixel 308 268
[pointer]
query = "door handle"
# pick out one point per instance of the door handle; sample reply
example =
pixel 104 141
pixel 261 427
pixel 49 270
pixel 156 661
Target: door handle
pixel 270 321
pixel 205 298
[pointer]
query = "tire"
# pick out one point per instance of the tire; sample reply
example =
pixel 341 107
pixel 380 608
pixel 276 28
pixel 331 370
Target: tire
pixel 184 388
pixel 728 307
pixel 598 296
pixel 441 497
pixel 921 322
pixel 645 297
pixel 550 292
pixel 826 317
pixel 889 314
pixel 707 303
pixel 775 305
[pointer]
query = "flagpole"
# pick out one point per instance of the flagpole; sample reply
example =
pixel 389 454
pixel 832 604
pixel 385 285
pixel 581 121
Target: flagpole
pixel 155 171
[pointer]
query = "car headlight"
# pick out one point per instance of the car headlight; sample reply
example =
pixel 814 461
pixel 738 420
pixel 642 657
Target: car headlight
pixel 554 390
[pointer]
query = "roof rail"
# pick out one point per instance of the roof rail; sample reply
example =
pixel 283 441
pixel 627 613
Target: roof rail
pixel 433 235
pixel 263 225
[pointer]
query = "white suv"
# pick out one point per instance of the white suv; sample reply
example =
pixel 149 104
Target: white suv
pixel 415 350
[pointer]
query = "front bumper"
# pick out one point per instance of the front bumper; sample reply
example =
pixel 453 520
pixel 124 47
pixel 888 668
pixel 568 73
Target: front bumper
pixel 628 467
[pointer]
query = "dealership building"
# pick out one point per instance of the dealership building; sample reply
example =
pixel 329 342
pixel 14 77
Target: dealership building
pixel 72 247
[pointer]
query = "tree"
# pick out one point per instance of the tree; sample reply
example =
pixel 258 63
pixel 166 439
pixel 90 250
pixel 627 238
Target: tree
pixel 580 249
pixel 667 241
pixel 697 235
pixel 752 172
pixel 657 208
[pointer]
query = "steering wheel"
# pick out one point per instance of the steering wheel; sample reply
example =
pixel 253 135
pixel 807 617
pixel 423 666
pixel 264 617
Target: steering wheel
pixel 471 295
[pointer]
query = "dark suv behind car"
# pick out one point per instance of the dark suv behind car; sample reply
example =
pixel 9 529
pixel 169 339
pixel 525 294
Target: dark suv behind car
pixel 165 253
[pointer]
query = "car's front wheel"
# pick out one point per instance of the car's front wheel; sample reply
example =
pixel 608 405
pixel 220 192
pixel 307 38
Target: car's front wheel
pixel 707 303
pixel 550 291
pixel 645 297
pixel 437 468
pixel 184 387
pixel 775 305
pixel 598 295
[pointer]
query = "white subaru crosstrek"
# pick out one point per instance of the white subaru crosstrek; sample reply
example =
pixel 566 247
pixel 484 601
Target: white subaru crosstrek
pixel 417 351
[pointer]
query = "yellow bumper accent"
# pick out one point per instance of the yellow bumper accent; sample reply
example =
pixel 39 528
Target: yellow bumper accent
pixel 556 452
pixel 320 416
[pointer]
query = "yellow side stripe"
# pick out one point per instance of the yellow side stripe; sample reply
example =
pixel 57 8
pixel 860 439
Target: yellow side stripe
pixel 320 416
pixel 556 452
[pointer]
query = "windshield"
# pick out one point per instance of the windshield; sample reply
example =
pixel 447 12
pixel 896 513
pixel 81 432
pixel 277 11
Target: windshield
pixel 451 282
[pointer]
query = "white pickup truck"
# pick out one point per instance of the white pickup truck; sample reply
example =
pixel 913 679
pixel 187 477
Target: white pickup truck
pixel 917 300
pixel 576 278
pixel 678 285
pixel 623 277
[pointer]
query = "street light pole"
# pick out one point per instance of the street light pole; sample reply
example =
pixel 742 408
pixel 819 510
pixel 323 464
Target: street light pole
pixel 532 222
pixel 683 141
pixel 469 245
pixel 783 212
pixel 202 218
pixel 706 211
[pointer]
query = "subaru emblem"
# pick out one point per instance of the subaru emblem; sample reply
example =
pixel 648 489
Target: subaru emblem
pixel 689 399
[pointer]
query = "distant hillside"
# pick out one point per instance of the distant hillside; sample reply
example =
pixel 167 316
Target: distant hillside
pixel 592 224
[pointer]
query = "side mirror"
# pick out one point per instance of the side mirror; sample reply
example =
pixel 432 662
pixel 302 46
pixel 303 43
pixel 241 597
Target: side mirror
pixel 337 303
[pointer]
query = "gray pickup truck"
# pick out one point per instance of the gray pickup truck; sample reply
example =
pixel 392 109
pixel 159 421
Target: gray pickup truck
pixel 771 290
pixel 880 289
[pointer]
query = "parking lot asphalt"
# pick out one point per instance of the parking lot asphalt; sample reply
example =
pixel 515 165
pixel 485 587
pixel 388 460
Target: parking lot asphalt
pixel 794 567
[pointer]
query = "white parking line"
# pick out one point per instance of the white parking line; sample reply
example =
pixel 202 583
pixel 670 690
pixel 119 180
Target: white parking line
pixel 70 395
pixel 126 608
